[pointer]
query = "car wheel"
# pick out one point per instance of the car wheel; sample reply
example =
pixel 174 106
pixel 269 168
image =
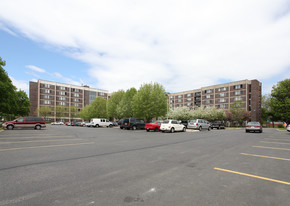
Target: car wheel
pixel 172 130
pixel 147 130
pixel 163 131
pixel 110 125
pixel 97 125
pixel 208 129
pixel 134 127
pixel 200 128
pixel 10 127
pixel 184 129
pixel 247 131
pixel 38 127
pixel 156 129
pixel 218 128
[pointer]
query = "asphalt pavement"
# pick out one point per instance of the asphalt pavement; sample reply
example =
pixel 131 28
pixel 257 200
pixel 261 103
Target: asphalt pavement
pixel 63 165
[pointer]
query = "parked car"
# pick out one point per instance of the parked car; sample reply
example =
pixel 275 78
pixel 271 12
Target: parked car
pixel 88 124
pixel 132 123
pixel 254 127
pixel 288 128
pixel 83 124
pixel 155 126
pixel 120 122
pixel 57 123
pixel 185 122
pixel 68 123
pixel 172 126
pixel 115 124
pixel 199 124
pixel 25 122
pixel 96 122
pixel 218 125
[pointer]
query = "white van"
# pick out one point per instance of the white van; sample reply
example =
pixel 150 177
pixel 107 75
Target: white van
pixel 101 123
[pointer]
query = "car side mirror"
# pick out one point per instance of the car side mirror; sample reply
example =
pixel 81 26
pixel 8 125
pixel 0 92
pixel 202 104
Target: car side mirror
pixel 16 120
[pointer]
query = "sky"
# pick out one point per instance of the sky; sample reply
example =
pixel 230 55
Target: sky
pixel 113 45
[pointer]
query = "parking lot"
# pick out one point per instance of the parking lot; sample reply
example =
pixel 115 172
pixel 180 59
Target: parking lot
pixel 63 165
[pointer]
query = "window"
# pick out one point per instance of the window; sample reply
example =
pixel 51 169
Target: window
pixel 46 85
pixel 239 86
pixel 222 100
pixel 179 100
pixel 189 99
pixel 76 95
pixel 171 97
pixel 189 104
pixel 62 93
pixel 77 100
pixel 188 95
pixel 238 92
pixel 207 101
pixel 207 96
pixel 47 102
pixel 20 119
pixel 222 89
pixel 171 101
pixel 222 106
pixel 46 91
pixel 62 88
pixel 46 97
pixel 222 94
pixel 179 96
pixel 102 94
pixel 208 91
pixel 62 98
pixel 62 103
pixel 238 98
pixel 76 90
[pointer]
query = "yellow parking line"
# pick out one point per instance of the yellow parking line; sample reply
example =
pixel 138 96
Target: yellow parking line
pixel 254 176
pixel 275 142
pixel 278 148
pixel 50 140
pixel 46 146
pixel 254 155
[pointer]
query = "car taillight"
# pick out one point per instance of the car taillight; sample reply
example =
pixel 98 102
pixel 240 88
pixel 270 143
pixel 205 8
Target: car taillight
pixel 257 126
pixel 129 123
pixel 196 124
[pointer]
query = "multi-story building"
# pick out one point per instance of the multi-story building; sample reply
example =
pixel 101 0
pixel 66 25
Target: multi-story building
pixel 222 96
pixel 53 94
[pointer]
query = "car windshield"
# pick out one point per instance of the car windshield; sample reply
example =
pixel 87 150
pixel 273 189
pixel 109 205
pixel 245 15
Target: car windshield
pixel 165 122
pixel 254 123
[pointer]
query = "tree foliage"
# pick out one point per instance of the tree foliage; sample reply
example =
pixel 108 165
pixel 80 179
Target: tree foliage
pixel 43 111
pixel 84 113
pixel 125 107
pixel 74 112
pixel 12 102
pixel 238 112
pixel 150 101
pixel 280 101
pixel 98 108
pixel 60 111
pixel 113 104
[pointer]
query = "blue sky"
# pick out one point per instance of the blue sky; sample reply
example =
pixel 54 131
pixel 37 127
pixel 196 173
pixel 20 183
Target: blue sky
pixel 114 45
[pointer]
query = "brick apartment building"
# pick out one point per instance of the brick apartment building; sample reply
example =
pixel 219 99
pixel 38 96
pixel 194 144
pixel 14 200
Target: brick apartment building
pixel 52 94
pixel 221 96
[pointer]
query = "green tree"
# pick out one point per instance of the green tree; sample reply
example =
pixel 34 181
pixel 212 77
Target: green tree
pixel 74 112
pixel 84 113
pixel 150 101
pixel 8 97
pixel 23 104
pixel 44 111
pixel 125 107
pixel 59 111
pixel 265 107
pixel 98 108
pixel 113 104
pixel 280 101
pixel 239 113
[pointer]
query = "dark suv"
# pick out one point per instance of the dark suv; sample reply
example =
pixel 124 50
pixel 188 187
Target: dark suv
pixel 218 125
pixel 185 123
pixel 132 123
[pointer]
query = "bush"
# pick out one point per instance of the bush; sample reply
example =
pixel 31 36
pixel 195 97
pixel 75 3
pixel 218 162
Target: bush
pixel 280 126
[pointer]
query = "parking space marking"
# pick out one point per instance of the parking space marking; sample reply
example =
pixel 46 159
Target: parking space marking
pixel 45 146
pixel 31 137
pixel 278 139
pixel 254 176
pixel 277 148
pixel 254 155
pixel 275 142
pixel 50 140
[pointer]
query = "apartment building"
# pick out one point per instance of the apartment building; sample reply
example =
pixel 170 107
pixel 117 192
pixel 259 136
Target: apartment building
pixel 222 96
pixel 53 94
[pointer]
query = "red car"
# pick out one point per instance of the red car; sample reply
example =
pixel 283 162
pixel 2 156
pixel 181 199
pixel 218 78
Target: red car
pixel 155 126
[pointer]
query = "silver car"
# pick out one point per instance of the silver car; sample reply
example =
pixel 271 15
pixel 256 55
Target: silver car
pixel 199 124
pixel 254 127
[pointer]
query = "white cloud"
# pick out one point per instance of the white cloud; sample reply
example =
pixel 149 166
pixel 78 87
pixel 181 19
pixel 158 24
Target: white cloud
pixel 20 84
pixel 35 68
pixel 180 44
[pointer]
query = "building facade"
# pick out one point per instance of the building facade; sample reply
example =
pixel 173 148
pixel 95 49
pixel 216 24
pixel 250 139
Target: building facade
pixel 249 92
pixel 53 94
